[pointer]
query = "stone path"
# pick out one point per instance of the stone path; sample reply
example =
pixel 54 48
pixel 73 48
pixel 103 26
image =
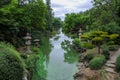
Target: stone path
pixel 110 64
pixel 114 57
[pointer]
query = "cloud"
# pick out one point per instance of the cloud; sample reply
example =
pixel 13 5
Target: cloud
pixel 62 7
pixel 56 5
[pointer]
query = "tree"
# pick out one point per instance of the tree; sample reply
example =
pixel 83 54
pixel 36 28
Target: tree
pixel 57 23
pixel 4 2
pixel 73 22
pixel 98 38
pixel 16 20
pixel 49 15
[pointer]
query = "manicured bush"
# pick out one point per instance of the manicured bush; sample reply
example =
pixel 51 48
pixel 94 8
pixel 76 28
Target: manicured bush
pixel 89 56
pixel 11 64
pixel 88 45
pixel 113 47
pixel 117 64
pixel 106 53
pixel 97 62
pixel 113 36
pixel 85 37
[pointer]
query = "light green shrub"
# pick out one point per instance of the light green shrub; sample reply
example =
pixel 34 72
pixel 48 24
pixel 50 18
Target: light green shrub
pixel 88 45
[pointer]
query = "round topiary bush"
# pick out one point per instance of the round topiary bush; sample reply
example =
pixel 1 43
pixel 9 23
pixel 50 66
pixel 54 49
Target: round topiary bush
pixel 117 64
pixel 97 62
pixel 89 56
pixel 11 64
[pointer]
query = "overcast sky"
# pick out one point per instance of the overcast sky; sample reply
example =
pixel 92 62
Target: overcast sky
pixel 61 7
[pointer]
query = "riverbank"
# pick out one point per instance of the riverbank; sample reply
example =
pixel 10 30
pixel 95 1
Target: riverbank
pixel 106 73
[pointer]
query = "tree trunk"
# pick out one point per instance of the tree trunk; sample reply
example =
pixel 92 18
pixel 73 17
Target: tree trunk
pixel 98 49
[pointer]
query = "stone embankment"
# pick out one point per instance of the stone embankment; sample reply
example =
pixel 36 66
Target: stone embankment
pixel 106 73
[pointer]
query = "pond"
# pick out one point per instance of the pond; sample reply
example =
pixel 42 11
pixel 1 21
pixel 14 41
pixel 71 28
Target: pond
pixel 61 61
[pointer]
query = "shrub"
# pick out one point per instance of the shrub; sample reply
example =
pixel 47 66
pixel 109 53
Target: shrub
pixel 97 62
pixel 88 45
pixel 76 41
pixel 11 64
pixel 113 47
pixel 35 50
pixel 85 37
pixel 89 56
pixel 97 40
pixel 117 64
pixel 113 36
pixel 110 43
pixel 106 53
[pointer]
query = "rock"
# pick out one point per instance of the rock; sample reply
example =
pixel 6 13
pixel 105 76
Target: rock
pixel 80 64
pixel 90 73
pixel 110 70
pixel 110 65
pixel 110 62
pixel 77 75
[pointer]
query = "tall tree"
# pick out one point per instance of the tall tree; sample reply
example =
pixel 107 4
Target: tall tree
pixel 17 20
pixel 49 15
pixel 4 2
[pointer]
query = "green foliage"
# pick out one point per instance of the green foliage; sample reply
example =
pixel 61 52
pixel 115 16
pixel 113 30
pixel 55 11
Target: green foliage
pixel 76 41
pixel 16 20
pixel 112 27
pixel 89 56
pixel 97 62
pixel 98 38
pixel 73 22
pixel 113 47
pixel 113 36
pixel 57 23
pixel 103 13
pixel 97 41
pixel 11 64
pixel 88 45
pixel 49 15
pixel 33 62
pixel 85 37
pixel 106 53
pixel 110 43
pixel 117 64
pixel 4 2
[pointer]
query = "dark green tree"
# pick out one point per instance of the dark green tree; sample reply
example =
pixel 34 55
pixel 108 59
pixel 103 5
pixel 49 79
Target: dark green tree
pixel 49 15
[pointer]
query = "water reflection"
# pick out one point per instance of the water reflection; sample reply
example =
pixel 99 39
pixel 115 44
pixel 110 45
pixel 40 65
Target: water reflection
pixel 57 62
pixel 70 54
pixel 41 70
pixel 62 62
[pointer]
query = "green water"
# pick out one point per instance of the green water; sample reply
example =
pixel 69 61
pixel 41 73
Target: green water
pixel 60 62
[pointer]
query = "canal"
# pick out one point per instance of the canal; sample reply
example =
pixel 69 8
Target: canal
pixel 60 63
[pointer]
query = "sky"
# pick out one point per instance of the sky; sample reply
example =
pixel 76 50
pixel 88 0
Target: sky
pixel 61 7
